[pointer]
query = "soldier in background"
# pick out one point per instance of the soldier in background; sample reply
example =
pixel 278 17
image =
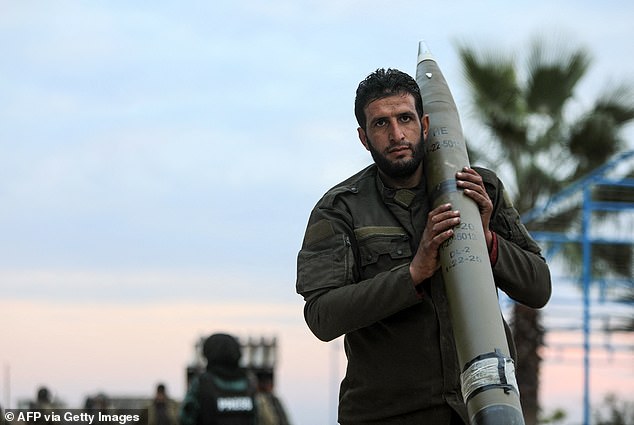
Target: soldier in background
pixel 42 403
pixel 162 410
pixel 43 399
pixel 270 408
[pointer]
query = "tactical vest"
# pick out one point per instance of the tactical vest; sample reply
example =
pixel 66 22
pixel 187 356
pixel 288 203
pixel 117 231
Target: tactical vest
pixel 225 402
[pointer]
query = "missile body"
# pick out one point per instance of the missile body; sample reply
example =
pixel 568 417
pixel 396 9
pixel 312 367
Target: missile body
pixel 488 380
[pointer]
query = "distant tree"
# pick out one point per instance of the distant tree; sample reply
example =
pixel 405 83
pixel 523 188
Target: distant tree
pixel 532 138
pixel 618 412
pixel 558 416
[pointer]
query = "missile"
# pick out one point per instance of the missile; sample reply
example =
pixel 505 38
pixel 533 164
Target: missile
pixel 488 383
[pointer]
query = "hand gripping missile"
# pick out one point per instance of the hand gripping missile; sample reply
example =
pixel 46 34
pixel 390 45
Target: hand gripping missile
pixel 488 380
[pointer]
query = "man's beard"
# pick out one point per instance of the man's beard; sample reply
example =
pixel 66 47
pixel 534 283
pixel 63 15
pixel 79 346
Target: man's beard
pixel 401 168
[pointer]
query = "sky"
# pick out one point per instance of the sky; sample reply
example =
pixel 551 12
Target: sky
pixel 158 162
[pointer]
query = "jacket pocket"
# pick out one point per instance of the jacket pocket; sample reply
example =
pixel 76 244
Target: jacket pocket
pixel 325 265
pixel 381 248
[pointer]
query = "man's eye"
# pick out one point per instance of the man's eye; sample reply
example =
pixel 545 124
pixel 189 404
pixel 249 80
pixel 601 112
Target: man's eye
pixel 380 123
pixel 406 118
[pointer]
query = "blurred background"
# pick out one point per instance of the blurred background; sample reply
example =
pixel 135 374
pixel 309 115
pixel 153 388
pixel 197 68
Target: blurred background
pixel 158 162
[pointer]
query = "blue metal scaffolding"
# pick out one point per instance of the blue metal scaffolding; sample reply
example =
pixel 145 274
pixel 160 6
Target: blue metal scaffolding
pixel 580 195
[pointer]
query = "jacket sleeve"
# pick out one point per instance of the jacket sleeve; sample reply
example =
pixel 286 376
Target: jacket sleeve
pixel 337 302
pixel 520 271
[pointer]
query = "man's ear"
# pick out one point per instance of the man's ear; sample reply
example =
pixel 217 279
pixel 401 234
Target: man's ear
pixel 425 123
pixel 363 138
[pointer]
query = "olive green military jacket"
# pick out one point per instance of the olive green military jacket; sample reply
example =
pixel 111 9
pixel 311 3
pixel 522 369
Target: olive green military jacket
pixel 353 272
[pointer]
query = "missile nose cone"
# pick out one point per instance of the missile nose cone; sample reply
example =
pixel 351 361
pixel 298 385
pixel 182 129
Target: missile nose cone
pixel 423 52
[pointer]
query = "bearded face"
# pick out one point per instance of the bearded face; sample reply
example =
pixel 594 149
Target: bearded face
pixel 394 135
pixel 401 167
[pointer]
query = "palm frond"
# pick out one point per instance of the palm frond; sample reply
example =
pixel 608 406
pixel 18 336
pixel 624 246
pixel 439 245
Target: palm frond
pixel 497 95
pixel 617 102
pixel 596 135
pixel 553 74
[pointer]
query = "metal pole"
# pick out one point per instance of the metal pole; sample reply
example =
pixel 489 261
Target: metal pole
pixel 7 386
pixel 334 380
pixel 587 274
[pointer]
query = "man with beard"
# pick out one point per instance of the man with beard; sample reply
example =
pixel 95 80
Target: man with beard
pixel 369 266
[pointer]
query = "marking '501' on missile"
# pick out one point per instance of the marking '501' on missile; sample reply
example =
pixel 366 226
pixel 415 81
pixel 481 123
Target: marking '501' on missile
pixel 488 382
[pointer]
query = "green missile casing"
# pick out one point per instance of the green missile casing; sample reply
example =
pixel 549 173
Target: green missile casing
pixel 488 377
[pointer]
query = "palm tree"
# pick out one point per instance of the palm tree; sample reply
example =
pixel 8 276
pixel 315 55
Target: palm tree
pixel 531 137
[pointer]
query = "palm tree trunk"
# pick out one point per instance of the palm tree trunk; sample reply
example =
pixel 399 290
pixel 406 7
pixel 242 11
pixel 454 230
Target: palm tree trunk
pixel 528 334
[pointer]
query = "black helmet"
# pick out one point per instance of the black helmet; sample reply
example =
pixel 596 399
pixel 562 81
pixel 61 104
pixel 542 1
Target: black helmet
pixel 222 350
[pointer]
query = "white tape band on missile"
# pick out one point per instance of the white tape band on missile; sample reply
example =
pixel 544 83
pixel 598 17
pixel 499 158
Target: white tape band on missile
pixel 486 372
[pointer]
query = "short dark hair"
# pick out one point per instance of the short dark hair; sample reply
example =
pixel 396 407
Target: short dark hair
pixel 382 83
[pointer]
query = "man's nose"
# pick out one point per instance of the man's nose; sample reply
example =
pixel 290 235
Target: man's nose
pixel 396 132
